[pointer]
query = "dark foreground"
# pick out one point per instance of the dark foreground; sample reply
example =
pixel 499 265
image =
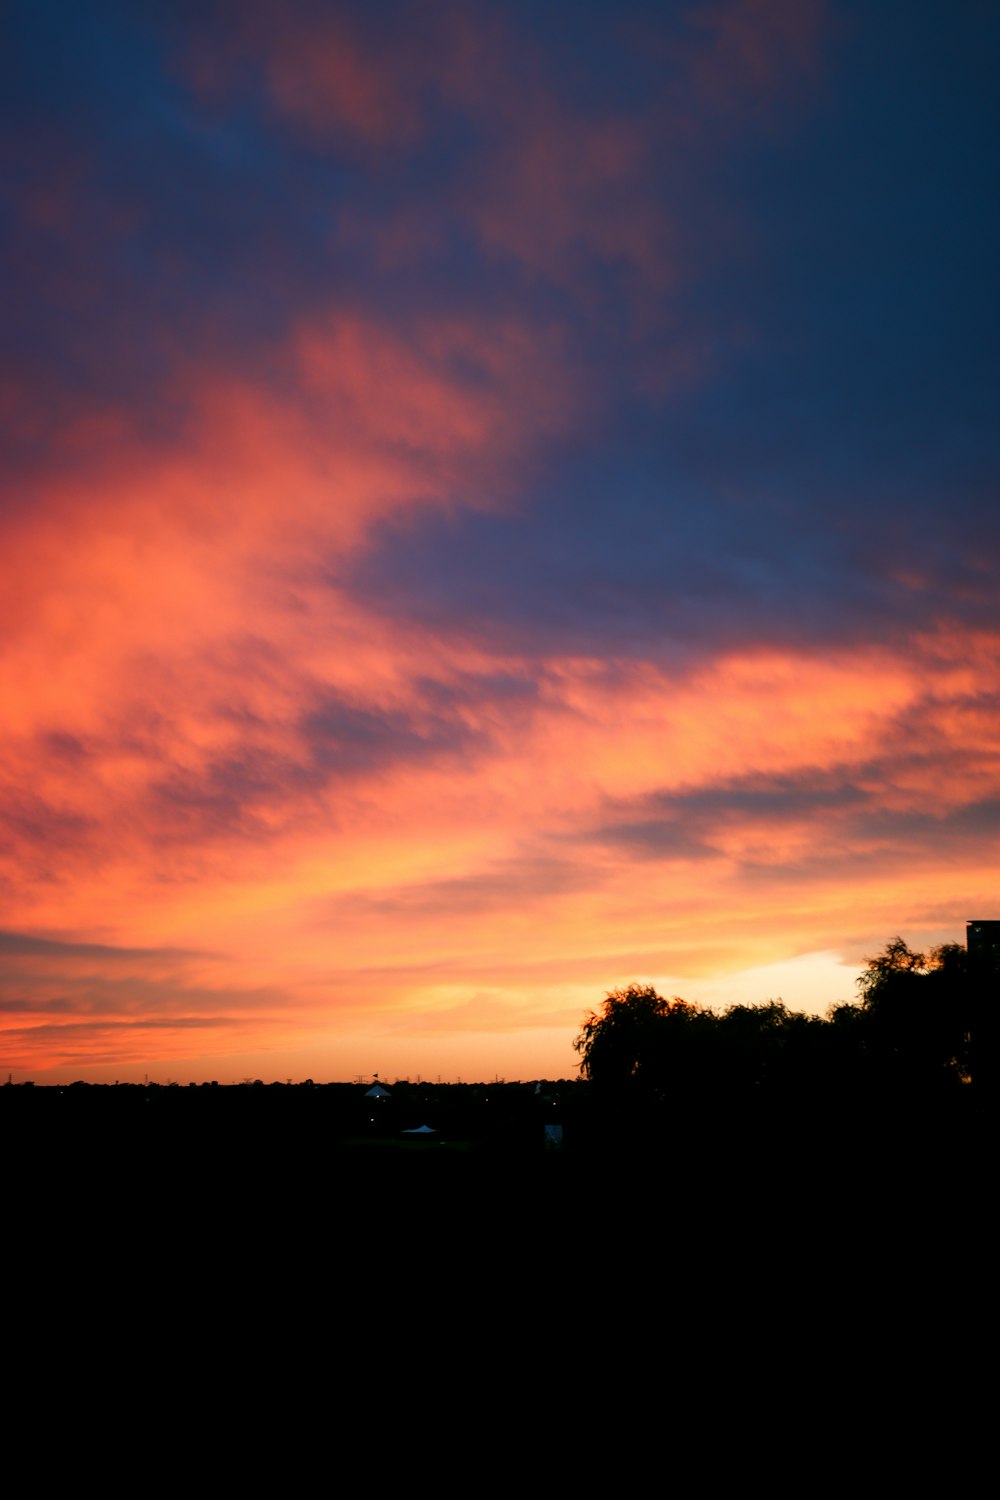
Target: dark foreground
pixel 811 1183
pixel 754 1286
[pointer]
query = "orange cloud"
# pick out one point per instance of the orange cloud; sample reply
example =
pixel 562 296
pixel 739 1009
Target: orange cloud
pixel 466 845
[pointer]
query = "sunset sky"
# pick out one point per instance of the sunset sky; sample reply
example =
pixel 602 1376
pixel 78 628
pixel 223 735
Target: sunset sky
pixel 499 500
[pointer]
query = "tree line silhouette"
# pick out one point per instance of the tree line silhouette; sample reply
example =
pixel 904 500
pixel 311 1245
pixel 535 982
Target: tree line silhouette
pixel 920 1038
pixel 917 1046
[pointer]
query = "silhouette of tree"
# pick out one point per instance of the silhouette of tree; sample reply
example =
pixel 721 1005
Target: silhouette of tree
pixel 629 1041
pixel 769 1047
pixel 888 972
pixel 955 1002
pixel 916 1011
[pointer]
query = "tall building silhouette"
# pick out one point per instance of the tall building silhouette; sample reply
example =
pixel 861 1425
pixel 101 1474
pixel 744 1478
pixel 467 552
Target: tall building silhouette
pixel 983 938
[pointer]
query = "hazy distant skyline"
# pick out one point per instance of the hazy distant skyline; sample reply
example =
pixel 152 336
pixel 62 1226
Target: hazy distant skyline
pixel 499 501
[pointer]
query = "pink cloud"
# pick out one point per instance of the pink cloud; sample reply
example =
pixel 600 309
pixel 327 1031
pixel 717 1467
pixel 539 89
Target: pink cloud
pixel 748 50
pixel 556 183
pixel 323 71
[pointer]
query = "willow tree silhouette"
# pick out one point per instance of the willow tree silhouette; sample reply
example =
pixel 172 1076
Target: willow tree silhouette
pixel 918 1016
pixel 641 1050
